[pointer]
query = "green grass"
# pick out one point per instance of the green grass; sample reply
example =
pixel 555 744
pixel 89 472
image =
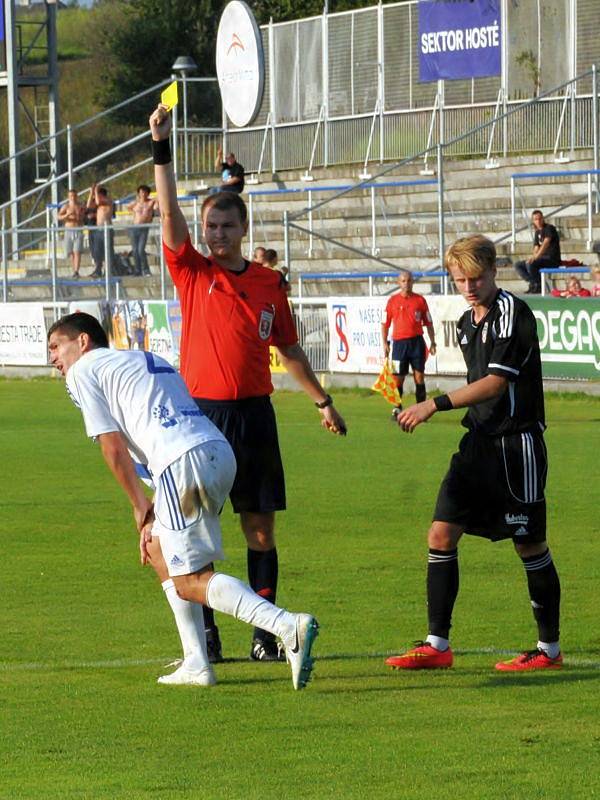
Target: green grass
pixel 86 630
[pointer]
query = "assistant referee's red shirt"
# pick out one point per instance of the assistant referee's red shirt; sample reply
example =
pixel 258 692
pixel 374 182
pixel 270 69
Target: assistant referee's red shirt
pixel 408 315
pixel 229 320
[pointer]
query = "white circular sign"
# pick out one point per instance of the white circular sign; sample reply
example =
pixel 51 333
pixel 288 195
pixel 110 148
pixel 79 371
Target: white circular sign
pixel 240 63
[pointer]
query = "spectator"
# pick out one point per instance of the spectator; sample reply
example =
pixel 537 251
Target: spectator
pixel 408 312
pixel 72 214
pixel 94 235
pixel 232 173
pixel 104 215
pixel 574 289
pixel 546 253
pixel 596 280
pixel 259 255
pixel 270 259
pixel 143 209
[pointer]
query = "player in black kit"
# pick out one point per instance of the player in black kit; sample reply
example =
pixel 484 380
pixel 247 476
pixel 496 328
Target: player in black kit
pixel 495 484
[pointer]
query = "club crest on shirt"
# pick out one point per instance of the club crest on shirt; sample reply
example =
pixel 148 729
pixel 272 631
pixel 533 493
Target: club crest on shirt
pixel 484 332
pixel 265 324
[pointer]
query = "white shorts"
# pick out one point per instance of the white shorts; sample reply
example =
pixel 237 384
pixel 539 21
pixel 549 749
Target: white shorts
pixel 190 494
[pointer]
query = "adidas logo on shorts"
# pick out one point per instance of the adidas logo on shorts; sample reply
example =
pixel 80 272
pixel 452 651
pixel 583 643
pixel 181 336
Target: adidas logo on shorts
pixel 176 561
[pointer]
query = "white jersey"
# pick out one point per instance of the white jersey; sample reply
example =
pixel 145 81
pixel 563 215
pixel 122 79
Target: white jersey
pixel 142 397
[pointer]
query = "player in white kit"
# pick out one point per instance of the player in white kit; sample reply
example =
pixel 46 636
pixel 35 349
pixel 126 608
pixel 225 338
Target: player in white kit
pixel 139 410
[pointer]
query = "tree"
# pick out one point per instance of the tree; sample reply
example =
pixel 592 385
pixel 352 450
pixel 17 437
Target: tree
pixel 135 43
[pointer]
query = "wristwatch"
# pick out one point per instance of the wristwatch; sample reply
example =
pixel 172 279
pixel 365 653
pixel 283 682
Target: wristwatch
pixel 324 403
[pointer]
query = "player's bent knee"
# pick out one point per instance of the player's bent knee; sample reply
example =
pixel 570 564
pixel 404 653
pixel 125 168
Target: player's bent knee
pixel 443 536
pixel 192 587
pixel 525 550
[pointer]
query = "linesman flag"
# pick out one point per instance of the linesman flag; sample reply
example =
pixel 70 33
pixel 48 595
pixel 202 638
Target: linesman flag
pixel 386 385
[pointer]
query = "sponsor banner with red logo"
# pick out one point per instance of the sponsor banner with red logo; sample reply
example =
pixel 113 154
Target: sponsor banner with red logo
pixel 355 333
pixel 355 343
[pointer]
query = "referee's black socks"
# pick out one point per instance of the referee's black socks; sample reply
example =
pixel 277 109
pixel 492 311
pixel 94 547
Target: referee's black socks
pixel 420 392
pixel 442 589
pixel 544 592
pixel 263 570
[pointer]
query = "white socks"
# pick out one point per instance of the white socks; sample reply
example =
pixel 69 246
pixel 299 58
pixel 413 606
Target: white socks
pixel 438 642
pixel 235 598
pixel 190 626
pixel 552 649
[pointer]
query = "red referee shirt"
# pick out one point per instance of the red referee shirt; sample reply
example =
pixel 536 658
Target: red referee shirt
pixel 408 314
pixel 229 319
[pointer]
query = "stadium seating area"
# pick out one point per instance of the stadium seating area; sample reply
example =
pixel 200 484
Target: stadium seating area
pixel 403 232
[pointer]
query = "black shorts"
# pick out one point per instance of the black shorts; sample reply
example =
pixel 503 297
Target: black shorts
pixel 408 351
pixel 250 428
pixel 495 487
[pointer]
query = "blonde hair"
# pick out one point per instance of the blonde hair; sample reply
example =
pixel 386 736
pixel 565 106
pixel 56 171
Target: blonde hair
pixel 473 255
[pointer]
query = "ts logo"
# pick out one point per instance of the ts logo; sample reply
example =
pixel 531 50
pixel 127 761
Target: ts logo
pixel 341 324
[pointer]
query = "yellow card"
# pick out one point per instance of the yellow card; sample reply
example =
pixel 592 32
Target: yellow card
pixel 169 97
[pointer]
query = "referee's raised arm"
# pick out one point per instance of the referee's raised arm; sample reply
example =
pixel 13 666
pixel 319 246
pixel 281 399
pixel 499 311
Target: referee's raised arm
pixel 174 226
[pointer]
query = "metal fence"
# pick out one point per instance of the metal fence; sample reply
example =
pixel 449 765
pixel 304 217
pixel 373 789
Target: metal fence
pixel 347 86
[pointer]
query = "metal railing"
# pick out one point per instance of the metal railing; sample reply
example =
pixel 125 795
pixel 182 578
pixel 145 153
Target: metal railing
pixel 591 198
pixel 442 150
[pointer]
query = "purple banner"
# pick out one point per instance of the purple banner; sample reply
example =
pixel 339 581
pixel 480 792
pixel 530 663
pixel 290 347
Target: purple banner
pixel 2 45
pixel 459 39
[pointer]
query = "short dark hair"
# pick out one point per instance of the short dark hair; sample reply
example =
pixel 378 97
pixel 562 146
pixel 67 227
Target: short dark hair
pixel 223 201
pixel 144 187
pixel 80 322
pixel 103 191
pixel 537 211
pixel 271 255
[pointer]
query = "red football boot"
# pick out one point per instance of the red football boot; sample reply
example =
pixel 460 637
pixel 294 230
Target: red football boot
pixel 531 659
pixel 423 656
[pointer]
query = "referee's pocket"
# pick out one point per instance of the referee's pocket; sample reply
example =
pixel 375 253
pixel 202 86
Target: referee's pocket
pixel 525 466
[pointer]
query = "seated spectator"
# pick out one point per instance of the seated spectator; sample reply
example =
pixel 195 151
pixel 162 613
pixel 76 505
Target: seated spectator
pixel 596 281
pixel 232 173
pixel 72 214
pixel 574 289
pixel 546 253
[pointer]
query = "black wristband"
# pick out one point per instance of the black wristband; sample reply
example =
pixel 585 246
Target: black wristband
pixel 443 403
pixel 324 403
pixel 161 151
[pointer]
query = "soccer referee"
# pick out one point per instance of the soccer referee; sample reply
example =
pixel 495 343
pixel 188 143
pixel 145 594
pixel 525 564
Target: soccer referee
pixel 232 311
pixel 495 484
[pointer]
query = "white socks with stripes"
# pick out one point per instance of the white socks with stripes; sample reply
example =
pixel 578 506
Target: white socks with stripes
pixel 189 619
pixel 230 596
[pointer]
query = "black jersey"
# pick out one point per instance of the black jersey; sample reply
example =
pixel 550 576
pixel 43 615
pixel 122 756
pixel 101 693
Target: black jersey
pixel 504 343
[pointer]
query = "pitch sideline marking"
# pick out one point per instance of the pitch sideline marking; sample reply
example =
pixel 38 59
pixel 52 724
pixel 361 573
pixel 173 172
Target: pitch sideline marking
pixel 119 663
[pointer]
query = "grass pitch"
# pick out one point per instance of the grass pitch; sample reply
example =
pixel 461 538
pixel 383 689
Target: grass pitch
pixel 86 630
